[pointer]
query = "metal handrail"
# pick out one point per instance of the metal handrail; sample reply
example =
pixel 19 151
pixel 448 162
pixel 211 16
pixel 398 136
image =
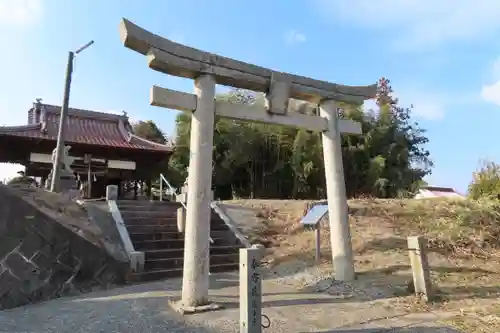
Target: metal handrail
pixel 170 187
pixel 163 179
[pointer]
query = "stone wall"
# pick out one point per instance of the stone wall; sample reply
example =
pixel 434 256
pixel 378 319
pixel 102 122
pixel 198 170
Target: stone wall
pixel 98 213
pixel 44 256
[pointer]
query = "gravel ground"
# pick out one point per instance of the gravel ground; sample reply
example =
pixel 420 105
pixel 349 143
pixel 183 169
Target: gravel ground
pixel 143 308
pixel 321 279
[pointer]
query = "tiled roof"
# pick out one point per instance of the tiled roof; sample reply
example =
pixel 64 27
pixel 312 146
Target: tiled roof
pixel 435 192
pixel 84 127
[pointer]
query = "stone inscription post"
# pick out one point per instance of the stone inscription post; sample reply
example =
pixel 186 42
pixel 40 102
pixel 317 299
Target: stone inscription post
pixel 251 290
pixel 208 69
pixel 420 266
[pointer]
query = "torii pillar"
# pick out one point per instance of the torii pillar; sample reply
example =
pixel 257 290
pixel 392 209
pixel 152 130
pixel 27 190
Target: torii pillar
pixel 197 228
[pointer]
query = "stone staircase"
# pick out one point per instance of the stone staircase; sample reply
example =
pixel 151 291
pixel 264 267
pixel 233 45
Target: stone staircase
pixel 152 227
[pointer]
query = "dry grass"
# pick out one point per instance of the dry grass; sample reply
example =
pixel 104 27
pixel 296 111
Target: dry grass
pixel 464 251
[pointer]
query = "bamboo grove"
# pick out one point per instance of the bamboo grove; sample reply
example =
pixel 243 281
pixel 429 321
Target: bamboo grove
pixel 270 161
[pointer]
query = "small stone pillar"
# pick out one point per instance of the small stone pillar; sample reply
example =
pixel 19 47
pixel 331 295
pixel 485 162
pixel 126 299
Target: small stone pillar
pixel 251 289
pixel 181 219
pixel 420 266
pixel 111 192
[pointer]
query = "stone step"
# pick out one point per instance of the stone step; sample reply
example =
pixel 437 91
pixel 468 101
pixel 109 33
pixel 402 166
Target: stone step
pixel 147 203
pixel 177 272
pixel 147 227
pixel 178 253
pixel 155 208
pixel 148 213
pixel 174 263
pixel 169 244
pixel 145 236
pixel 151 228
pixel 141 220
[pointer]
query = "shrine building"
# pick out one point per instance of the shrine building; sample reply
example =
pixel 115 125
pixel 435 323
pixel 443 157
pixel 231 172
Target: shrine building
pixel 104 147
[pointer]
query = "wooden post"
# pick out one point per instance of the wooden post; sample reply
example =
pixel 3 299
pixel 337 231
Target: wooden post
pixel 120 188
pixel 197 229
pixel 88 160
pixel 149 189
pixel 420 266
pixel 340 233
pixel 250 290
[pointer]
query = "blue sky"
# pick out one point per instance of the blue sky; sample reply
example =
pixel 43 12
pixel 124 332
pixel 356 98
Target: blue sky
pixel 441 56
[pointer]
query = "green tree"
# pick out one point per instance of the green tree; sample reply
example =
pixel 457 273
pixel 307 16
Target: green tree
pixel 150 131
pixel 269 161
pixel 485 181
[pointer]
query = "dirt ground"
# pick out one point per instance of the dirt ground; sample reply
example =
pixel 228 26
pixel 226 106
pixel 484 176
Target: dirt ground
pixel 464 254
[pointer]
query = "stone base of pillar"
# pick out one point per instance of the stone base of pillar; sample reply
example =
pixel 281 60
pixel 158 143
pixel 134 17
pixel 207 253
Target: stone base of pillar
pixel 182 309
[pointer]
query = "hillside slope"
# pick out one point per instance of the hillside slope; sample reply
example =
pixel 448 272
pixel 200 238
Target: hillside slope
pixel 463 244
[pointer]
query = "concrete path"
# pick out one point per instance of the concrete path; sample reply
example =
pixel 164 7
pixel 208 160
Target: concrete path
pixel 144 308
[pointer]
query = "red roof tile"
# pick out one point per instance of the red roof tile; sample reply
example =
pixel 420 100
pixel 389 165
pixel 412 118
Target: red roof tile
pixel 84 127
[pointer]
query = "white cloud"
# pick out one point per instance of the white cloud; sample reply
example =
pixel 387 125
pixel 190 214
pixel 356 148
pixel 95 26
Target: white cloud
pixel 491 92
pixel 294 37
pixel 415 24
pixel 20 12
pixel 424 105
pixel 428 109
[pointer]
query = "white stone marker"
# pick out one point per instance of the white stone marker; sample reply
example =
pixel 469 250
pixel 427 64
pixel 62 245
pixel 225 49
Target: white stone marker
pixel 420 266
pixel 251 290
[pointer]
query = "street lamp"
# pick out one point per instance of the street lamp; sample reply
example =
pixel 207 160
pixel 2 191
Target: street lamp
pixel 56 171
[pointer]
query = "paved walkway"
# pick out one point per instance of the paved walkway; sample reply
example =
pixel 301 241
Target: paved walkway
pixel 144 308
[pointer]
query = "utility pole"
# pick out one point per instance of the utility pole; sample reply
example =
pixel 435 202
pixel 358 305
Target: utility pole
pixel 56 170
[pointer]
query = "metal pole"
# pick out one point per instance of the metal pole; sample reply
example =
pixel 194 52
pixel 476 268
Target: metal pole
pixel 318 242
pixel 161 189
pixel 56 171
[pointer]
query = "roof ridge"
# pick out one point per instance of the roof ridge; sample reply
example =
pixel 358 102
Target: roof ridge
pixel 21 127
pixel 130 135
pixel 83 113
pixel 135 136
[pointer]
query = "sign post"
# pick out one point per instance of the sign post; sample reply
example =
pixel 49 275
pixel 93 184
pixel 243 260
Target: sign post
pixel 312 220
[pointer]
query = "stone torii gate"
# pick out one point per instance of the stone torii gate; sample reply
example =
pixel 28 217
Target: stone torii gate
pixel 207 70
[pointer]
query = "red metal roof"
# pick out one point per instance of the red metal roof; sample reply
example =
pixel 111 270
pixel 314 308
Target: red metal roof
pixel 84 127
